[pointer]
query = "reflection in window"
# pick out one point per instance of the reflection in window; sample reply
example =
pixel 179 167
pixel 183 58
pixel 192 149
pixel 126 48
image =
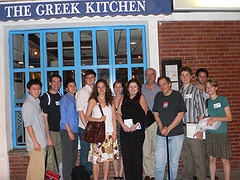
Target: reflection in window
pixel 136 45
pixel 52 49
pixel 18 51
pixel 138 73
pixel 20 134
pixel 122 75
pixel 19 89
pixel 34 50
pixel 120 46
pixel 35 75
pixel 102 47
pixel 86 48
pixel 70 74
pixel 68 49
pixel 103 74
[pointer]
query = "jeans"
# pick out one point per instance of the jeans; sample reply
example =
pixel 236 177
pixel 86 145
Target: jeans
pixel 85 147
pixel 175 146
pixel 69 153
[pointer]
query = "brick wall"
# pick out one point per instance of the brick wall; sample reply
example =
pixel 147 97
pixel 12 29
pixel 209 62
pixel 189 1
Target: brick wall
pixel 19 158
pixel 213 45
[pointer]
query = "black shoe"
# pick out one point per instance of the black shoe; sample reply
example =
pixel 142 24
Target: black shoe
pixel 194 177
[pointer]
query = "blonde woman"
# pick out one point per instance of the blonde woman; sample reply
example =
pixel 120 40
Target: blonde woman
pixel 217 141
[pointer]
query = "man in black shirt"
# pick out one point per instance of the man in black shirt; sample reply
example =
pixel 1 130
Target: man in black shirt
pixel 51 114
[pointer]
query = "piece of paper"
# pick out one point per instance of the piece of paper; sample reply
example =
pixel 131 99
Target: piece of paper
pixel 128 122
pixel 191 130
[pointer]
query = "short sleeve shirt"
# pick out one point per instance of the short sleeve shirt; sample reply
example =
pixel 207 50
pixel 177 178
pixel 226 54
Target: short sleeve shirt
pixel 51 106
pixel 33 116
pixel 216 108
pixel 168 107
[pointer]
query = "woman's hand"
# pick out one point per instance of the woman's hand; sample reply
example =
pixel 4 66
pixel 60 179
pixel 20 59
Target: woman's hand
pixel 103 118
pixel 211 121
pixel 134 127
pixel 125 128
pixel 114 137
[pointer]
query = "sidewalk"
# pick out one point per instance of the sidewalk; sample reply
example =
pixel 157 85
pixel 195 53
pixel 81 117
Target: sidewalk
pixel 235 175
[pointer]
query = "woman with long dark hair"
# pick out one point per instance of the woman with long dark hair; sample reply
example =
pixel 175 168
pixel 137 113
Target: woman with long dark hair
pixel 131 114
pixel 106 151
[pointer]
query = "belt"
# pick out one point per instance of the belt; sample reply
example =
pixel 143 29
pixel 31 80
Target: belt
pixel 185 124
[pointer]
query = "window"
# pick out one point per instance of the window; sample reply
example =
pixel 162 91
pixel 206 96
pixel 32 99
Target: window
pixel 114 53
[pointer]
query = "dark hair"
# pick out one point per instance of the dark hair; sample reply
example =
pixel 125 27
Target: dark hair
pixel 117 82
pixel 164 77
pixel 186 68
pixel 136 99
pixel 69 81
pixel 201 70
pixel 108 94
pixel 55 75
pixel 34 82
pixel 88 72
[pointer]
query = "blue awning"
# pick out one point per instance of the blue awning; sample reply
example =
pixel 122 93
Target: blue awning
pixel 83 8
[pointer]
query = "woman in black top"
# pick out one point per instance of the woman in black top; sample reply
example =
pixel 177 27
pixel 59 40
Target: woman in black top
pixel 131 114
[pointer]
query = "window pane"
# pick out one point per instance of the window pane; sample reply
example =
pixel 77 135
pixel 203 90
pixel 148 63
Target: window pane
pixel 120 46
pixel 86 48
pixel 20 129
pixel 68 49
pixel 19 89
pixel 136 46
pixel 104 74
pixel 18 51
pixel 34 50
pixel 35 75
pixel 52 49
pixel 102 47
pixel 137 73
pixel 70 74
pixel 122 75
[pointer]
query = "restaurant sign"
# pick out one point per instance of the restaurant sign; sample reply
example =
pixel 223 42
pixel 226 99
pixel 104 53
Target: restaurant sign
pixel 81 8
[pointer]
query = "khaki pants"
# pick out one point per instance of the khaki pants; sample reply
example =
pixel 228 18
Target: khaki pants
pixel 51 164
pixel 192 157
pixel 36 165
pixel 149 150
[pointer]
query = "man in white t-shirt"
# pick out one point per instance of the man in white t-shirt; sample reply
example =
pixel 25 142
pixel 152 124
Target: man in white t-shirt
pixel 82 97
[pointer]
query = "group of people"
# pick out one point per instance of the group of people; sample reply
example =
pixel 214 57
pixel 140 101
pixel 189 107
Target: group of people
pixel 53 120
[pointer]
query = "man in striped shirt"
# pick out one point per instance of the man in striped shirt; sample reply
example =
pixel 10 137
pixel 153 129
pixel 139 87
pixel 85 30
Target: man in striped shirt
pixel 192 155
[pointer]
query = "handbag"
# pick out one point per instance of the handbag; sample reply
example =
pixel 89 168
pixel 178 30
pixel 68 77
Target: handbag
pixel 94 131
pixel 49 175
pixel 80 173
pixel 149 119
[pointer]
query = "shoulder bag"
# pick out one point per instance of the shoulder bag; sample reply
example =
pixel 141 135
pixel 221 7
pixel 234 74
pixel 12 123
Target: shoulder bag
pixel 50 175
pixel 149 118
pixel 94 131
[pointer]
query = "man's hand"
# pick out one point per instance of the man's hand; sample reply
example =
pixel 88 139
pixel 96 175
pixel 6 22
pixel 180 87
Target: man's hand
pixel 198 135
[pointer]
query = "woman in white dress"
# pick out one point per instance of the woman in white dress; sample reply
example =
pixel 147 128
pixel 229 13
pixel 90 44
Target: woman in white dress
pixel 106 151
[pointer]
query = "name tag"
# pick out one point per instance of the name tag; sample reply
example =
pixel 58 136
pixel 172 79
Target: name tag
pixel 188 96
pixel 217 105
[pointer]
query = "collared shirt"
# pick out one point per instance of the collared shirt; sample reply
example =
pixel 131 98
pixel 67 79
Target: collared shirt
pixel 204 94
pixel 82 97
pixel 194 104
pixel 150 95
pixel 205 97
pixel 33 116
pixel 69 114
